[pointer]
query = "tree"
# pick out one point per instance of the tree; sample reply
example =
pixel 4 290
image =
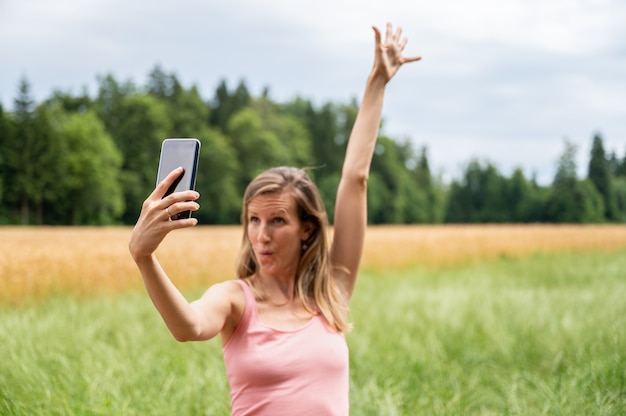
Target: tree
pixel 263 137
pixel 327 143
pixel 89 190
pixel 108 103
pixel 256 148
pixel 571 200
pixel 290 131
pixel 218 170
pixel 620 198
pixel 6 136
pixel 187 111
pixel 522 198
pixel 480 197
pixel 26 175
pixel 70 103
pixel 620 169
pixel 138 135
pixel 395 196
pixel 49 158
pixel 160 84
pixel 601 177
pixel 225 105
pixel 425 183
pixel 137 123
pixel 328 137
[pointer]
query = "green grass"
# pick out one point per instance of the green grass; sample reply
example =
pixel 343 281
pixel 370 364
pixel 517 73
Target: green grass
pixel 545 335
pixel 540 336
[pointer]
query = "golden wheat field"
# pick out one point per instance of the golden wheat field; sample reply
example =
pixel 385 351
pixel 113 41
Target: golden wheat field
pixel 38 261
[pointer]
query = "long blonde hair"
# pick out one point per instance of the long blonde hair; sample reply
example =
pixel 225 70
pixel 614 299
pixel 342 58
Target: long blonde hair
pixel 315 285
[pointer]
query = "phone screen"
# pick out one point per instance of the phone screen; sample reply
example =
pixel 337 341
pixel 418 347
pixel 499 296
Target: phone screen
pixel 176 153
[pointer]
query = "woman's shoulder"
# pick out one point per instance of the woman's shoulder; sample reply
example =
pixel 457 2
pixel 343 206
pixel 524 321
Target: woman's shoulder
pixel 227 296
pixel 229 289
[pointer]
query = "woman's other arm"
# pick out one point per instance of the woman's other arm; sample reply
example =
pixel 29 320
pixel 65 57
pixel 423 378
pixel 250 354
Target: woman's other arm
pixel 202 319
pixel 351 203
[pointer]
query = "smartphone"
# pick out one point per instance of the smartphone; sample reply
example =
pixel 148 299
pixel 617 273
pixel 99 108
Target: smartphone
pixel 176 153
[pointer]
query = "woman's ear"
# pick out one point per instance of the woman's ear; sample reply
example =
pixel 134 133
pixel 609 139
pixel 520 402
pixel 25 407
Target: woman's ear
pixel 308 227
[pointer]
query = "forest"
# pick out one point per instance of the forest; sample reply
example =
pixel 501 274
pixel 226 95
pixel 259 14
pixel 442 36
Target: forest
pixel 77 159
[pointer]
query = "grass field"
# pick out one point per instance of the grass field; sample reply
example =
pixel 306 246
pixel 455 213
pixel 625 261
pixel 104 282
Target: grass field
pixel 448 321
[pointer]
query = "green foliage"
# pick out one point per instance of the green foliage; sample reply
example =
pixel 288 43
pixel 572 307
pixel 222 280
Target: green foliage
pixel 484 195
pixel 601 177
pixel 620 197
pixel 138 135
pixel 226 104
pixel 540 335
pixel 89 189
pixel 394 194
pixel 256 147
pixel 6 135
pixel 218 169
pixel 243 135
pixel 572 200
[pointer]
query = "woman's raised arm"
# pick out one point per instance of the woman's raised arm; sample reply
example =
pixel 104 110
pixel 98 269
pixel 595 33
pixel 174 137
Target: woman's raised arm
pixel 351 203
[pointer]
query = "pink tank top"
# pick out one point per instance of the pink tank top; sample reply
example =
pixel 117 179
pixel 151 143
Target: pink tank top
pixel 273 372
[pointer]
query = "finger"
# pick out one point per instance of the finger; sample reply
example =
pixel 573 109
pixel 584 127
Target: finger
pixel 411 59
pixel 178 197
pixel 397 35
pixel 388 34
pixel 376 35
pixel 179 207
pixel 184 223
pixel 164 185
pixel 402 44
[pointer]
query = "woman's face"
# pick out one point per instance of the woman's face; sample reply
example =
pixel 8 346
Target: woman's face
pixel 276 233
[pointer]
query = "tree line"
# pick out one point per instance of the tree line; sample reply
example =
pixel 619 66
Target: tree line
pixel 92 160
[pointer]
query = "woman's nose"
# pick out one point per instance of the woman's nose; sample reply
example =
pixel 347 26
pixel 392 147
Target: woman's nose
pixel 265 233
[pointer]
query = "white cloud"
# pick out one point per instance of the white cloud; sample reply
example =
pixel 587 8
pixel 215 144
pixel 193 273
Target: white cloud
pixel 494 73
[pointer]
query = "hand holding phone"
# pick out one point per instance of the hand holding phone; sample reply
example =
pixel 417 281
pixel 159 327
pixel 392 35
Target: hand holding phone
pixel 179 153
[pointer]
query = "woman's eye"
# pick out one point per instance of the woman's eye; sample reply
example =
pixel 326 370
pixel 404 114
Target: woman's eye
pixel 279 220
pixel 254 219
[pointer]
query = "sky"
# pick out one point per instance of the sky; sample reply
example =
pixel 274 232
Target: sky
pixel 502 81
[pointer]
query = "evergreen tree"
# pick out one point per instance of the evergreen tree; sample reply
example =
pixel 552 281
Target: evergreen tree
pixel 225 104
pixel 480 197
pixel 6 136
pixel 21 153
pixel 385 166
pixel 620 169
pixel 424 180
pixel 160 84
pixel 519 197
pixel 600 175
pixel 571 200
pixel 138 136
pixel 70 103
pixel 620 198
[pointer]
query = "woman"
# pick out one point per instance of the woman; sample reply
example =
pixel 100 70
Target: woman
pixel 282 322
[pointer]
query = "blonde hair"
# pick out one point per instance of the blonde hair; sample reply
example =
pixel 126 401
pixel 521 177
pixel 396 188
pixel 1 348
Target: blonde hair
pixel 315 285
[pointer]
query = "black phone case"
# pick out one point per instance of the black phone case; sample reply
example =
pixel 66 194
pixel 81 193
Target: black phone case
pixel 176 153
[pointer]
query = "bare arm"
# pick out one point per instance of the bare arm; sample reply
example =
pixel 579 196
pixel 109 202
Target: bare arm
pixel 351 203
pixel 199 320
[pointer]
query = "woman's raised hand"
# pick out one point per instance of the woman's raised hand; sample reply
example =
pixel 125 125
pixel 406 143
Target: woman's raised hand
pixel 388 56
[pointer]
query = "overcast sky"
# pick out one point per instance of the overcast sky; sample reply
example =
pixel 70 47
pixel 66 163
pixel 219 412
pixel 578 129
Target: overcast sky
pixel 501 80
